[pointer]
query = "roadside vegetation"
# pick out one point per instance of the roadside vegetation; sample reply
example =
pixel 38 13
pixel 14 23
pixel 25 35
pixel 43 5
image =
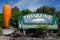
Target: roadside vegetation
pixel 17 12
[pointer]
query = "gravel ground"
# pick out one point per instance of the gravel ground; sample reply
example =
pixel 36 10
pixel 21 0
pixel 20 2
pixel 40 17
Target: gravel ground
pixel 26 38
pixel 4 37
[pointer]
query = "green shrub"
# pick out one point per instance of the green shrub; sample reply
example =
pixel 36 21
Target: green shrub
pixel 43 27
pixel 1 32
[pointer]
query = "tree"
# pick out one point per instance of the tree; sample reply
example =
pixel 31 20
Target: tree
pixel 46 9
pixel 14 17
pixel 1 20
pixel 26 11
pixel 15 9
pixel 15 13
pixel 58 15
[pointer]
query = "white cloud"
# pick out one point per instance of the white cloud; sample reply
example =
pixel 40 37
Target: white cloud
pixel 57 5
pixel 20 3
pixel 34 4
pixel 26 3
pixel 30 4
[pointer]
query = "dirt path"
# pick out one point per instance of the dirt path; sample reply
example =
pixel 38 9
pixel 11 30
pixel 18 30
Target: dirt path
pixel 25 38
pixel 4 37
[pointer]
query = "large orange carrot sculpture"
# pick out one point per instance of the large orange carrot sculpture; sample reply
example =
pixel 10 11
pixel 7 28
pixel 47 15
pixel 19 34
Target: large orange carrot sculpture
pixel 6 14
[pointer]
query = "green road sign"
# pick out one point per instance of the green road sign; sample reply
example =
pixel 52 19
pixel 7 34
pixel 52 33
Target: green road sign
pixel 33 20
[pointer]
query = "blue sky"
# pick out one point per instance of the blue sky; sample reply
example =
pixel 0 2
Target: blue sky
pixel 30 4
